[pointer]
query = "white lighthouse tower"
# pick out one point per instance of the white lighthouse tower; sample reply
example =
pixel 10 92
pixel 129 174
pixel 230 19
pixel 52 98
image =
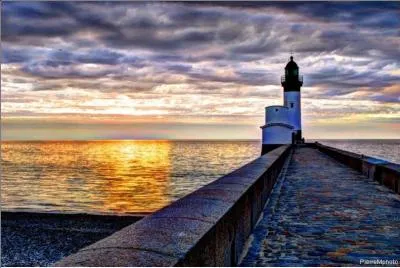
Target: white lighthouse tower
pixel 283 123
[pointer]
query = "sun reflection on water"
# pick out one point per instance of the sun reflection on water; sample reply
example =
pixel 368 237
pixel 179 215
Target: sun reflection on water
pixel 111 176
pixel 128 176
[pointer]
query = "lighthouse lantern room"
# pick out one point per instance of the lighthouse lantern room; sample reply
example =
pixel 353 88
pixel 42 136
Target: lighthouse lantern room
pixel 283 123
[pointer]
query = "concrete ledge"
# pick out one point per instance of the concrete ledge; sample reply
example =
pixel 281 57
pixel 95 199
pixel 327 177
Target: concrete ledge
pixel 208 227
pixel 384 172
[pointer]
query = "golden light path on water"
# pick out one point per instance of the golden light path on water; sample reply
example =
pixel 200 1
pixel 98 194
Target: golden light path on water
pixel 112 176
pixel 128 176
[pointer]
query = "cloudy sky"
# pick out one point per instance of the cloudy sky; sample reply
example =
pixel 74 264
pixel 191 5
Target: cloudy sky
pixel 120 70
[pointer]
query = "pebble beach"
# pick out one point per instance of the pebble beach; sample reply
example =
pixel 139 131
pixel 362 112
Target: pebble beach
pixel 41 239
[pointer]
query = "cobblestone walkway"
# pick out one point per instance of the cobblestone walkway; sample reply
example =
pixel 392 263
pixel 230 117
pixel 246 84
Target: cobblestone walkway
pixel 322 213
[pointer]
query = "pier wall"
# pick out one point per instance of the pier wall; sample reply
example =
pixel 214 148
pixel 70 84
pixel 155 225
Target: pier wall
pixel 208 227
pixel 382 171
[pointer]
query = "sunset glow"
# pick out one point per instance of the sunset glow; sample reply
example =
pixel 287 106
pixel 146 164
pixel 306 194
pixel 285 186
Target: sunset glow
pixel 132 70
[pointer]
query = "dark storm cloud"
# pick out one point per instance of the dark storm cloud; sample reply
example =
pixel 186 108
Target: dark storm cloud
pixel 181 15
pixel 15 56
pixel 356 13
pixel 178 68
pixel 17 15
pixel 394 98
pixel 25 19
pixel 100 57
pixel 135 41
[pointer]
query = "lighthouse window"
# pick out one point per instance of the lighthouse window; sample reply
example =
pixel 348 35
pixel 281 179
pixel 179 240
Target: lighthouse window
pixel 291 105
pixel 276 110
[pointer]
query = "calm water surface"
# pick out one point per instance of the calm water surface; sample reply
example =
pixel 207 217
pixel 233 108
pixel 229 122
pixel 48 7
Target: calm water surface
pixel 383 149
pixel 112 176
pixel 128 176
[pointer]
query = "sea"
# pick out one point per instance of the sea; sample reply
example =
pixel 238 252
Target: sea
pixel 129 176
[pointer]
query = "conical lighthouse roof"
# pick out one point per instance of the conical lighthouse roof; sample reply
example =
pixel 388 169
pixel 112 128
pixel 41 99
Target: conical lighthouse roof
pixel 291 64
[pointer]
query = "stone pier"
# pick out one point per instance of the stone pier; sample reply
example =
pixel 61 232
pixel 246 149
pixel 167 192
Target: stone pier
pixel 325 213
pixel 304 205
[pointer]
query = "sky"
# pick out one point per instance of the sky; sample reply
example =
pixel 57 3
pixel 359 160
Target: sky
pixel 193 70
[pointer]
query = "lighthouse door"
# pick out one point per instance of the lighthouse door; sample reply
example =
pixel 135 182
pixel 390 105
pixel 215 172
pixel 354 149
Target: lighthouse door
pixel 293 137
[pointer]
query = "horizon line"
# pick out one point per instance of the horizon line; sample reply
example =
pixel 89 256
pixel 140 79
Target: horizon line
pixel 72 140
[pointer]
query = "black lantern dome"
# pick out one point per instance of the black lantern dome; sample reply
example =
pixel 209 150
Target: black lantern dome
pixel 291 65
pixel 292 81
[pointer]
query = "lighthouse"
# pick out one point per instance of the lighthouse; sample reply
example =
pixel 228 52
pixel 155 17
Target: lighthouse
pixel 283 123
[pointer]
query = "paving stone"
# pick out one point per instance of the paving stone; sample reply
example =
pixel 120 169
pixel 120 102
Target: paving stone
pixel 323 213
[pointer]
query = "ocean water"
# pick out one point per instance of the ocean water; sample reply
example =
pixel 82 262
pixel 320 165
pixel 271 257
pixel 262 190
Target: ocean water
pixel 112 176
pixel 384 149
pixel 128 177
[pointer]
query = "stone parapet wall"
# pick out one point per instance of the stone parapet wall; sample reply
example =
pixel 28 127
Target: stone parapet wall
pixel 208 227
pixel 384 172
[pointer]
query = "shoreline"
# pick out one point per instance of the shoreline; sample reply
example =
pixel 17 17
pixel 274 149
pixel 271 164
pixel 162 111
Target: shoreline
pixel 41 238
pixel 9 214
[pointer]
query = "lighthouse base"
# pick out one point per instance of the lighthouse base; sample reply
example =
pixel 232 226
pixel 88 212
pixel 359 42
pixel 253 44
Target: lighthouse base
pixel 269 147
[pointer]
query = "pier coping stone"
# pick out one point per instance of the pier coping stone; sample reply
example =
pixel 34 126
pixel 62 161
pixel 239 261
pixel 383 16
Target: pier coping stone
pixel 381 170
pixel 208 227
